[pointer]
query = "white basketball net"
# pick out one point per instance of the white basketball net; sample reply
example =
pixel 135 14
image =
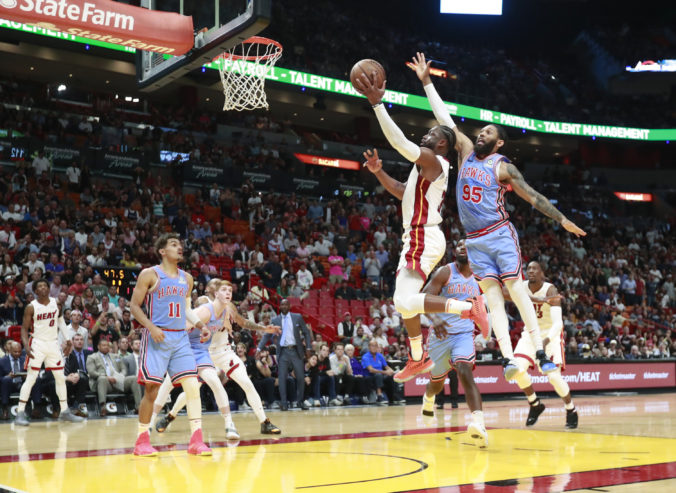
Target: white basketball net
pixel 243 69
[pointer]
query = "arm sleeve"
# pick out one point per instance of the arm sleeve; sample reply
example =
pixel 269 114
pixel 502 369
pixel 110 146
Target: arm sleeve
pixel 395 136
pixel 438 106
pixel 191 317
pixel 557 322
pixel 62 328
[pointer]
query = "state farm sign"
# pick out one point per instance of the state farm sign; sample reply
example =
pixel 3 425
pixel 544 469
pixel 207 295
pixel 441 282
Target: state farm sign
pixel 105 20
pixel 600 376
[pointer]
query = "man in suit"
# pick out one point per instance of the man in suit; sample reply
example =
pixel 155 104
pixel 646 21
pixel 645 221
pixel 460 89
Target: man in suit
pixel 290 350
pixel 106 373
pixel 77 379
pixel 130 362
pixel 12 375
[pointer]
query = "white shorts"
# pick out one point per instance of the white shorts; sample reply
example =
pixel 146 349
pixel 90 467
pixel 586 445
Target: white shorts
pixel 47 352
pixel 423 249
pixel 526 351
pixel 228 361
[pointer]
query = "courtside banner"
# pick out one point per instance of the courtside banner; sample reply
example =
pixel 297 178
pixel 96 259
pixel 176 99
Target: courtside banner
pixel 599 376
pixel 108 21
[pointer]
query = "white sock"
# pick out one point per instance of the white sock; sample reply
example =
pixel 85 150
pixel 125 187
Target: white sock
pixel 227 417
pixel 478 418
pixel 152 420
pixel 499 321
pixel 22 407
pixel 428 399
pixel 570 406
pixel 142 428
pixel 195 424
pixel 416 347
pixel 519 293
pixel 532 398
pixel 457 306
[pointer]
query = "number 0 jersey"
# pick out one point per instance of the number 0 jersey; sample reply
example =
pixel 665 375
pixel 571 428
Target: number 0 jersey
pixel 45 320
pixel 479 194
pixel 166 302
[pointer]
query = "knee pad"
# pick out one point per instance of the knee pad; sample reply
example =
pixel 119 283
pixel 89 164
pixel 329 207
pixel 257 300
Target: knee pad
pixel 523 379
pixel 559 384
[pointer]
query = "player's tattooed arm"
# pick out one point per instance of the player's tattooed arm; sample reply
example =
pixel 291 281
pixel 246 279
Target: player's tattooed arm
pixel 248 324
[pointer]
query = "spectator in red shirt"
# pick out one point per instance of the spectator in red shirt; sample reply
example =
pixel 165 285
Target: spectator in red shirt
pixel 78 287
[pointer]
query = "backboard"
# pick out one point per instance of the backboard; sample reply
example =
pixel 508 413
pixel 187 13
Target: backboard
pixel 218 25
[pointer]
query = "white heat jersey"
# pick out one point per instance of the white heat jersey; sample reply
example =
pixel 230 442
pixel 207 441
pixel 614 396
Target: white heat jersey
pixel 45 320
pixel 542 310
pixel 422 200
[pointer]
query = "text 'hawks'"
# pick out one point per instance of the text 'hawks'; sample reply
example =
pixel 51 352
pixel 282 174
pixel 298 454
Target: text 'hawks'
pixel 461 289
pixel 171 291
pixel 477 174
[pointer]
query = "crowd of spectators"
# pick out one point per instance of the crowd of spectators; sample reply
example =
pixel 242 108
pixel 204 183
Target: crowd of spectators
pixel 523 80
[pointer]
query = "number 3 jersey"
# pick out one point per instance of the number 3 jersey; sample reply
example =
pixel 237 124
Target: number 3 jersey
pixel 479 194
pixel 166 302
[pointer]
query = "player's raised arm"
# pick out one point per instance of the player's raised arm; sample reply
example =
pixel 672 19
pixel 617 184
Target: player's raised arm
pixel 423 156
pixel 375 165
pixel 509 174
pixel 463 144
pixel 146 280
pixel 248 324
pixel 25 328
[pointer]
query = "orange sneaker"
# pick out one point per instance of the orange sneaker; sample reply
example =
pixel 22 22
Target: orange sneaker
pixel 479 316
pixel 197 445
pixel 414 368
pixel 143 447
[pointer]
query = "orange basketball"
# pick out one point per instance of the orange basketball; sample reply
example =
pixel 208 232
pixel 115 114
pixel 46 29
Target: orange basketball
pixel 368 67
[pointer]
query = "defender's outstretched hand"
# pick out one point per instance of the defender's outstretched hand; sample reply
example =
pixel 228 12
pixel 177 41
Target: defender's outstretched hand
pixel 422 68
pixel 571 227
pixel 373 162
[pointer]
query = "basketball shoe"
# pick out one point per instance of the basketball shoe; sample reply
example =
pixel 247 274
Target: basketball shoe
pixel 268 428
pixel 479 316
pixel 142 448
pixel 478 434
pixel 163 423
pixel 545 364
pixel 571 418
pixel 197 445
pixel 414 368
pixel 231 431
pixel 427 406
pixel 536 409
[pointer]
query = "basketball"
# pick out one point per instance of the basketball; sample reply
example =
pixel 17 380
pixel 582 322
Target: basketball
pixel 367 66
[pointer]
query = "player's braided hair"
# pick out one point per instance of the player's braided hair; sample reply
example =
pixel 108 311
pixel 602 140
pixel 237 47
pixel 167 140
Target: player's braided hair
pixel 449 134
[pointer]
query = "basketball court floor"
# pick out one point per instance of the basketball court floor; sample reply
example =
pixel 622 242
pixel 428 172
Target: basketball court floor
pixel 624 443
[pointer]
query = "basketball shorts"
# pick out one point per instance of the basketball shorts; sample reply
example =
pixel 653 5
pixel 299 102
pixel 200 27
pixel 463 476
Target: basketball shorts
pixel 423 249
pixel 525 351
pixel 445 353
pixel 173 356
pixel 227 360
pixel 47 352
pixel 202 358
pixel 495 255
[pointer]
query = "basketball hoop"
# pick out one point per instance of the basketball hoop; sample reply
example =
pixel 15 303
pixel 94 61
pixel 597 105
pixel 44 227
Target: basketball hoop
pixel 243 69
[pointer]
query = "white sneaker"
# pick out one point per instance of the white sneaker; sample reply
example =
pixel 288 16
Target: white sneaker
pixel 335 402
pixel 231 431
pixel 427 407
pixel 307 403
pixel 316 402
pixel 478 435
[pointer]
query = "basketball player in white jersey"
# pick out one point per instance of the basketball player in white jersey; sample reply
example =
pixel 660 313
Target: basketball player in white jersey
pixel 422 198
pixel 218 315
pixel 484 176
pixel 547 305
pixel 45 315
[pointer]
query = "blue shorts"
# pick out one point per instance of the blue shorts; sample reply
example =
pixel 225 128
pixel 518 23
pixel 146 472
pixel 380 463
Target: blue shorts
pixel 173 356
pixel 445 353
pixel 202 358
pixel 495 255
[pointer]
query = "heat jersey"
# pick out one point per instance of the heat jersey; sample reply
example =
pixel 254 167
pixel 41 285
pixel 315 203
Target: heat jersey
pixel 542 310
pixel 460 288
pixel 479 194
pixel 422 200
pixel 166 303
pixel 45 320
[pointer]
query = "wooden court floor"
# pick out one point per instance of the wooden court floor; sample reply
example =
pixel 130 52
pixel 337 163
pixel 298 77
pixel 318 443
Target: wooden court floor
pixel 624 443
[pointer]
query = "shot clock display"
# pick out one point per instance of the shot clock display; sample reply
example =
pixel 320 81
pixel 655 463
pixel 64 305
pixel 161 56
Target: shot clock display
pixel 121 278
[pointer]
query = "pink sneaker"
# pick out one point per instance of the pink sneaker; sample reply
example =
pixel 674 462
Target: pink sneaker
pixel 479 316
pixel 414 368
pixel 143 447
pixel 197 446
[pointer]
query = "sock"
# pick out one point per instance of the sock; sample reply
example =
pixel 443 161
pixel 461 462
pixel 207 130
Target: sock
pixel 227 417
pixel 195 424
pixel 22 406
pixel 428 399
pixel 416 347
pixel 152 420
pixel 142 428
pixel 478 417
pixel 532 398
pixel 456 306
pixel 570 406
